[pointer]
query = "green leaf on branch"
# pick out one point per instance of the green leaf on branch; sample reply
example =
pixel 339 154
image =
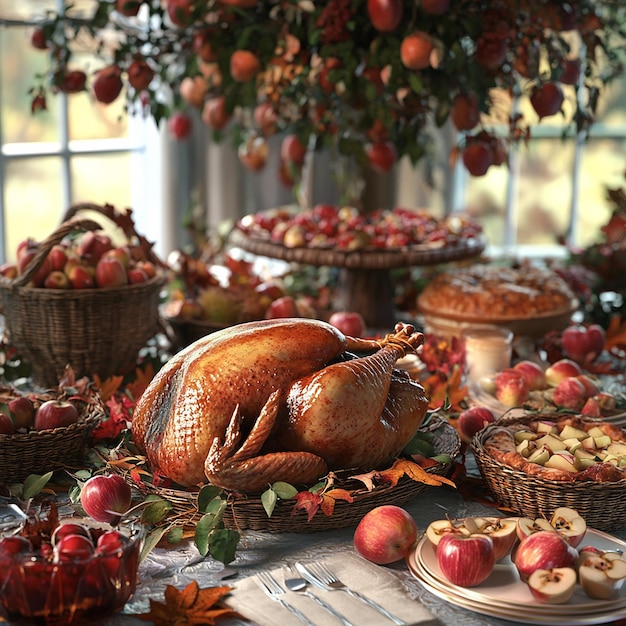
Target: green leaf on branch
pixel 206 495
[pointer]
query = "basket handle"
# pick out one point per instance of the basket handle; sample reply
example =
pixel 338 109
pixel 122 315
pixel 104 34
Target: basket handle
pixel 46 245
pixel 124 221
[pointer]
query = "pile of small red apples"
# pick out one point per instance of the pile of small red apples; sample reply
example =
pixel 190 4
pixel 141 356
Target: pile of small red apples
pixel 545 552
pixel 24 413
pixel 564 382
pixel 74 570
pixel 87 261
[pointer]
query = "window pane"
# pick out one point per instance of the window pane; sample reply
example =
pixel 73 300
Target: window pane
pixel 33 200
pixel 102 178
pixel 19 64
pixel 486 201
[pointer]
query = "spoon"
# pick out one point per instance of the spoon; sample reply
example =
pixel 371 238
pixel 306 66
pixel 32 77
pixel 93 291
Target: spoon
pixel 298 584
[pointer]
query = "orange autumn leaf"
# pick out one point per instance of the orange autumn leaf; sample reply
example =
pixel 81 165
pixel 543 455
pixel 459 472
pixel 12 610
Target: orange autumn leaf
pixel 616 334
pixel 308 501
pixel 190 606
pixel 330 497
pixel 414 472
pixel 442 389
pixel 109 386
pixel 142 380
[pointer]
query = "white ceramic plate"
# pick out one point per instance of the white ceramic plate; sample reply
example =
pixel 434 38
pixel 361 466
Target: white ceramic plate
pixel 504 595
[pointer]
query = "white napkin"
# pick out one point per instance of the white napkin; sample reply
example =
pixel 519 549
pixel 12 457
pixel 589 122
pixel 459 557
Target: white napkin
pixel 373 581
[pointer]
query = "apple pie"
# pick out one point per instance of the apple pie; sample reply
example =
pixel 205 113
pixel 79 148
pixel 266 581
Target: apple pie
pixel 570 448
pixel 484 292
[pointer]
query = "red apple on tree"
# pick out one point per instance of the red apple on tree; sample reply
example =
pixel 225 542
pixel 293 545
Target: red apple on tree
pixel 179 125
pixel 466 560
pixel 385 15
pixel 415 50
pixel 107 84
pixel 382 155
pixel 106 498
pixel 55 414
pixel 385 534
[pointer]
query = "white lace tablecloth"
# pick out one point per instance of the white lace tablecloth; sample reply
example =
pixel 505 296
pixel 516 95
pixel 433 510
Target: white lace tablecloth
pixel 260 550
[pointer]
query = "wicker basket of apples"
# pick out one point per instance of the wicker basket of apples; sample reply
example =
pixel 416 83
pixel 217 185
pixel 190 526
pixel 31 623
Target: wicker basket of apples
pixel 79 299
pixel 43 432
pixel 539 461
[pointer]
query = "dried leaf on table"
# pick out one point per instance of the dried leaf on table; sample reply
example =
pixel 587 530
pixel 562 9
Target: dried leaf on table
pixel 445 390
pixel 190 606
pixel 142 379
pixel 366 479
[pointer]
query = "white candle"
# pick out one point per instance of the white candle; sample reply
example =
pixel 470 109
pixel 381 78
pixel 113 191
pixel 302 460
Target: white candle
pixel 487 351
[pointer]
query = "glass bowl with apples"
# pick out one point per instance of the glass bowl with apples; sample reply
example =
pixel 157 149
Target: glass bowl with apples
pixel 76 571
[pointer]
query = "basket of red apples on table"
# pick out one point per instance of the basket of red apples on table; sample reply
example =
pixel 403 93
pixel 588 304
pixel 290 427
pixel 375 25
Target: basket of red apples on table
pixel 46 431
pixel 78 298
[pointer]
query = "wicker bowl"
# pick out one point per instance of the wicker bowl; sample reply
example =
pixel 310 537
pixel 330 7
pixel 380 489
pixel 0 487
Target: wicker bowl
pixel 95 331
pixel 248 513
pixel 184 332
pixel 602 504
pixel 41 451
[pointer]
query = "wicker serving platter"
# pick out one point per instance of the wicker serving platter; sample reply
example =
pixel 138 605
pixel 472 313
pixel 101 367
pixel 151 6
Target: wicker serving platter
pixel 248 513
pixel 602 504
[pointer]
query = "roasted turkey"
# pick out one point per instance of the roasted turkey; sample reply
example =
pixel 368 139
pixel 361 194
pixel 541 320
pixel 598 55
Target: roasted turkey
pixel 279 400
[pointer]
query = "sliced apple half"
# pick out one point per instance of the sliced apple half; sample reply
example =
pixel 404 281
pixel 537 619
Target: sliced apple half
pixel 437 529
pixel 501 530
pixel 553 586
pixel 602 576
pixel 570 524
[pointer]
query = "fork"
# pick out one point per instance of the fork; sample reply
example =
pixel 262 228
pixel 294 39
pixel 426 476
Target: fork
pixel 320 575
pixel 294 582
pixel 274 591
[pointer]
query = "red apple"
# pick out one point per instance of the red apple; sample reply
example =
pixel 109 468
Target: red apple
pixel 292 150
pixel 465 112
pixel 583 344
pixel 73 548
pixel 110 272
pixel 602 574
pixel 547 99
pixel 382 156
pixel 129 8
pixel 385 534
pixel 22 411
pixel 435 7
pixel 570 524
pixel 136 275
pixel 473 420
pixel 106 498
pixel 511 388
pixel 244 65
pixel 464 560
pixel 57 279
pixel 92 245
pixel 477 157
pixel 6 425
pixel 415 50
pixel 385 15
pixel 140 74
pixel 533 373
pixel 58 257
pixel 107 84
pixel 544 549
pixel 80 277
pixel 110 541
pixel 179 125
pixel 55 414
pixel 282 307
pixel 69 528
pixel 570 394
pixel 561 369
pixel 215 114
pixel 14 544
pixel 350 323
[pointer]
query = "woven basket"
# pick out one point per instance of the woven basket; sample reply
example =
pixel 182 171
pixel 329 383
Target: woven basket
pixel 248 513
pixel 601 504
pixel 95 331
pixel 184 332
pixel 41 451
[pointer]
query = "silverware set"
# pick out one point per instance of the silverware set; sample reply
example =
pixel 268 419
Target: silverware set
pixel 321 577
